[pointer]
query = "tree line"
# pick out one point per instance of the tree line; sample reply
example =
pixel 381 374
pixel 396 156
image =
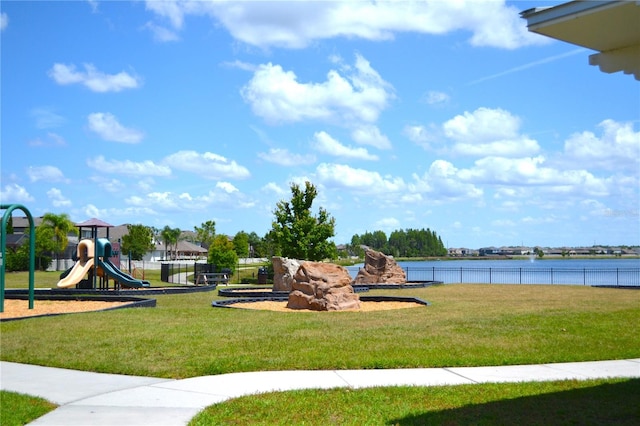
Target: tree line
pixel 401 243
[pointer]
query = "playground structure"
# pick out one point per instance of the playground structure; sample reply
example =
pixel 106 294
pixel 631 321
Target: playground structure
pixel 93 262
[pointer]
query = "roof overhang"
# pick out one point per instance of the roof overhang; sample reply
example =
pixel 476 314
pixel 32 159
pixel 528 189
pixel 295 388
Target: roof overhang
pixel 610 27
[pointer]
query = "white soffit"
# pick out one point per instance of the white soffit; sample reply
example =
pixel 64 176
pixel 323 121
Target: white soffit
pixel 610 27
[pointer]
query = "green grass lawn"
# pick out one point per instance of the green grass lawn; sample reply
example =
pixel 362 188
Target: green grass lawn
pixel 591 402
pixel 17 409
pixel 466 325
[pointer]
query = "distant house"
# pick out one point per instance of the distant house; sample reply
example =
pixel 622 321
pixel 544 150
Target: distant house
pixel 462 252
pixel 184 251
pixel 489 251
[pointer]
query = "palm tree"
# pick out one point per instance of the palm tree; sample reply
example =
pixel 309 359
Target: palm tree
pixel 165 236
pixel 170 237
pixel 61 225
pixel 175 237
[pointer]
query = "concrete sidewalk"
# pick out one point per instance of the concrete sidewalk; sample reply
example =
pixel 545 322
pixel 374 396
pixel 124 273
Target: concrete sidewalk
pixel 109 399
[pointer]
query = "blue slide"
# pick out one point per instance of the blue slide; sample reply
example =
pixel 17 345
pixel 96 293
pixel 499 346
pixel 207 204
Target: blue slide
pixel 125 280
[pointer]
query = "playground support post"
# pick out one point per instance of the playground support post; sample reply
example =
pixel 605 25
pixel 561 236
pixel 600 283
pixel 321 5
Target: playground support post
pixel 3 254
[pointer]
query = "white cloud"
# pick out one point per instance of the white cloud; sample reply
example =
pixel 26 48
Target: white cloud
pixel 207 165
pixel 46 118
pixel 4 21
pixel 618 148
pixel 128 167
pixel 532 171
pixel 222 196
pixel 488 131
pixel 245 66
pixel 360 180
pixel 226 187
pixel 57 199
pixel 52 139
pixel 160 33
pixel 370 135
pixel 324 143
pixel 484 124
pixel 274 188
pixel 419 135
pixel 283 157
pixel 277 96
pixel 434 97
pixel 443 182
pixel 297 24
pixel 506 148
pixel 45 173
pixel 158 200
pixel 93 79
pixel 14 193
pixel 106 125
pixel 91 210
pixel 390 223
pixel 110 185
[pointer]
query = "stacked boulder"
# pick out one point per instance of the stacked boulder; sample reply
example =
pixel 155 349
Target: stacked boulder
pixel 322 287
pixel 380 269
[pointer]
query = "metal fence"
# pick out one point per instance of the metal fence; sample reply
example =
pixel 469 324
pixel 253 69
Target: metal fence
pixel 179 273
pixel 619 277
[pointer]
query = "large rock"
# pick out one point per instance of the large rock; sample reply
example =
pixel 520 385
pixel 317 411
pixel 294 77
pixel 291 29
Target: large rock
pixel 380 269
pixel 322 287
pixel 283 271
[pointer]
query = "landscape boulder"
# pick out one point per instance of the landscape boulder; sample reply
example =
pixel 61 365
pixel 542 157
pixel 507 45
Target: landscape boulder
pixel 380 269
pixel 322 287
pixel 283 271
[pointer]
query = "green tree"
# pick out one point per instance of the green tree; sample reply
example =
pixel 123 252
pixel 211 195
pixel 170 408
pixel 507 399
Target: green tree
pixel 298 233
pixel 61 226
pixel 269 246
pixel 170 237
pixel 45 243
pixel 375 240
pixel 222 253
pixel 9 227
pixel 256 246
pixel 138 241
pixel 241 244
pixel 354 246
pixel 206 233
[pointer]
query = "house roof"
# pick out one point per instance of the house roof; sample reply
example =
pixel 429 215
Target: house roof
pixel 184 247
pixel 15 240
pixel 22 222
pixel 94 223
pixel 610 27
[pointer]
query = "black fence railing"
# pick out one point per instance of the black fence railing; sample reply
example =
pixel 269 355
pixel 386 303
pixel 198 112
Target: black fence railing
pixel 619 277
pixel 180 273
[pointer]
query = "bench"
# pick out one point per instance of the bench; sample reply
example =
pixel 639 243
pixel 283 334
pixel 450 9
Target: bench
pixel 209 278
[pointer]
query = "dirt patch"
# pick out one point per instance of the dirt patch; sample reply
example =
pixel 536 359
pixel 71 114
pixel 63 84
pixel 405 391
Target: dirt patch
pixel 20 308
pixel 281 306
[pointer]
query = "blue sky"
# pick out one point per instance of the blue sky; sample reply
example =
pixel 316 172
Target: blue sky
pixel 441 115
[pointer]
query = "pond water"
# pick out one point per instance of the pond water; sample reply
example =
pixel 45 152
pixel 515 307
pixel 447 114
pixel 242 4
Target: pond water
pixel 616 272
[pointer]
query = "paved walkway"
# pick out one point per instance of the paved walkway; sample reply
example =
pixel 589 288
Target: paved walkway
pixel 110 399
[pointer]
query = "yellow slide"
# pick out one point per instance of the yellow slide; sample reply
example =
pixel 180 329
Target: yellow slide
pixel 82 266
pixel 79 271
